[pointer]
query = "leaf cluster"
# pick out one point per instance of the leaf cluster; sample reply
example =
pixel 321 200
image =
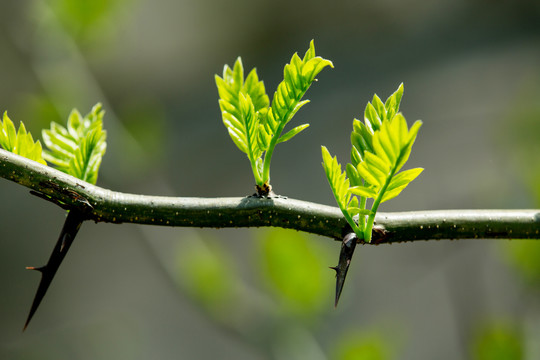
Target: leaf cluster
pixel 20 141
pixel 253 124
pixel 381 145
pixel 78 148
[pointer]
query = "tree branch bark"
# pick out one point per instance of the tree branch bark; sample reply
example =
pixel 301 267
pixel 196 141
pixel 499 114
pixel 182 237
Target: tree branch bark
pixel 100 204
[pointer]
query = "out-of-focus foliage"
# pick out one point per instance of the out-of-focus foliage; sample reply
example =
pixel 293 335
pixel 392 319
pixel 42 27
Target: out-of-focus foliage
pixel 524 255
pixel 207 274
pixel 519 137
pixel 40 109
pixel 497 341
pixel 19 142
pixel 85 20
pixel 291 293
pixel 362 346
pixel 145 120
pixel 295 269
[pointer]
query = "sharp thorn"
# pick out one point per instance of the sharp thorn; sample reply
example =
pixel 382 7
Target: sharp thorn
pixel 345 255
pixel 67 235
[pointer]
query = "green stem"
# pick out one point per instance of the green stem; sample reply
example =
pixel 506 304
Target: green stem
pixel 376 203
pixel 276 136
pixel 270 152
pixel 357 230
pixel 371 219
pixel 256 173
pixel 362 205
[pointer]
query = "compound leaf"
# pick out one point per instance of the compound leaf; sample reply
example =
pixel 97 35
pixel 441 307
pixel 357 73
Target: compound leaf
pixel 337 180
pixel 380 147
pixel 392 146
pixel 393 102
pixel 255 89
pixel 297 78
pixel 243 103
pixel 19 142
pixel 78 148
pixel 255 126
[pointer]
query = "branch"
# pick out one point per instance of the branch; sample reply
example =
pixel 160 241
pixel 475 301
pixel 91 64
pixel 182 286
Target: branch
pixel 100 204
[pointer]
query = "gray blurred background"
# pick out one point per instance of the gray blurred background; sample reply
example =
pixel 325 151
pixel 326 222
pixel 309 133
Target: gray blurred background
pixel 471 71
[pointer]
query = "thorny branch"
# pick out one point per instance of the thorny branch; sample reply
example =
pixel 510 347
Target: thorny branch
pixel 100 204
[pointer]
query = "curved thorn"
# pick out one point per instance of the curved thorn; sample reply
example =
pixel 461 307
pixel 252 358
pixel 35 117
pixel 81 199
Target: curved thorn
pixel 345 255
pixel 67 235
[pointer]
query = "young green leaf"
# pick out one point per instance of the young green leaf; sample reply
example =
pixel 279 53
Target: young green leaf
pixel 256 132
pixel 290 134
pixel 365 191
pixel 337 180
pixel 87 157
pixel 78 148
pixel 393 102
pixel 19 142
pixel 340 187
pixel 400 182
pixel 240 102
pixel 230 86
pixel 380 147
pixel 297 78
pixel 392 145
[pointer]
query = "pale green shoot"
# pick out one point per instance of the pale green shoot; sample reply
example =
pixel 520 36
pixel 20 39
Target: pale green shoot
pixel 380 147
pixel 255 126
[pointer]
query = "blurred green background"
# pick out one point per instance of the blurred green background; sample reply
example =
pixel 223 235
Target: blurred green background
pixel 472 73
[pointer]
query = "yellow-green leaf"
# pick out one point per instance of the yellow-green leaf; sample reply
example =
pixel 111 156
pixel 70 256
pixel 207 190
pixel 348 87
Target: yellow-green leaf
pixel 19 142
pixel 363 191
pixel 290 134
